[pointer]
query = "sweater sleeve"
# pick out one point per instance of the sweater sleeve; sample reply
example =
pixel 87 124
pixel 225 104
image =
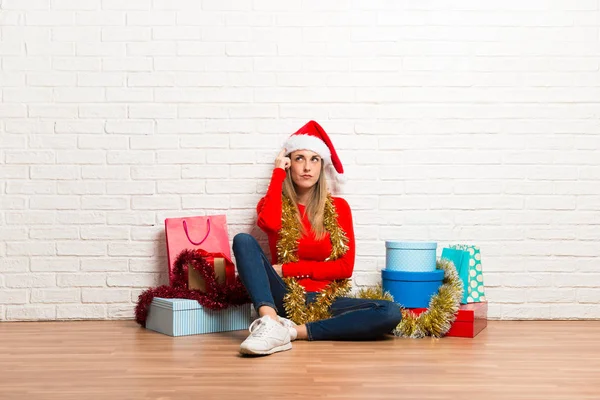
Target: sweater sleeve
pixel 341 268
pixel 269 207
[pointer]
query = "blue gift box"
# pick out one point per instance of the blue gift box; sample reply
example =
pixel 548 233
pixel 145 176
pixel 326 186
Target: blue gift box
pixel 412 289
pixel 410 256
pixel 180 317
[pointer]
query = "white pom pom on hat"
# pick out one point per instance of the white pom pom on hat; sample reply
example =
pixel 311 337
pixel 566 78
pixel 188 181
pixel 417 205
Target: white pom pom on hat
pixel 313 137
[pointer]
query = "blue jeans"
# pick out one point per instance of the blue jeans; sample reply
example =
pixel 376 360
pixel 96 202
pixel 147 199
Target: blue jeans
pixel 352 319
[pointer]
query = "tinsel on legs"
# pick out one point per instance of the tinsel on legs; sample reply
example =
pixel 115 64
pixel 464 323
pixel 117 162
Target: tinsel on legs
pixel 295 301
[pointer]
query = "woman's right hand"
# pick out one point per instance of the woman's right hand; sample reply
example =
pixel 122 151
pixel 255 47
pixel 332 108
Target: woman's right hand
pixel 278 269
pixel 282 161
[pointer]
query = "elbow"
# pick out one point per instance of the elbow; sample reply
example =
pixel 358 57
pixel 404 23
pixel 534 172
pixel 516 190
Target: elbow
pixel 346 273
pixel 267 225
pixel 348 265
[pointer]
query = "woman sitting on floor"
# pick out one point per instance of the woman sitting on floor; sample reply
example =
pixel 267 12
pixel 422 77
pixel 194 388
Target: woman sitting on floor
pixel 300 218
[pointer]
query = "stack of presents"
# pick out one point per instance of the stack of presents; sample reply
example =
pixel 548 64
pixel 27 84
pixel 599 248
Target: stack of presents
pixel 410 277
pixel 181 317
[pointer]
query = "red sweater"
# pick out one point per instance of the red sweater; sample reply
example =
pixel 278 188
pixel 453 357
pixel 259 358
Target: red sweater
pixel 311 270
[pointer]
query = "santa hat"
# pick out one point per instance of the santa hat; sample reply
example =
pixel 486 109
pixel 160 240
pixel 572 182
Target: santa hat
pixel 313 137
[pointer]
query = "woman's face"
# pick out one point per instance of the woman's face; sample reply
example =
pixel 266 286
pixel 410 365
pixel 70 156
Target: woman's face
pixel 306 168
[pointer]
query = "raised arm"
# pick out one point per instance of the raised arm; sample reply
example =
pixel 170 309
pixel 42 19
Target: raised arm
pixel 269 207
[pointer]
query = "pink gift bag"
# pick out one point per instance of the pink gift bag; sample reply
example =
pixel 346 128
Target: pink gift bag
pixel 208 233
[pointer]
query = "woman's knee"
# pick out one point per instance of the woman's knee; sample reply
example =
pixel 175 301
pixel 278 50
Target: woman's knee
pixel 243 240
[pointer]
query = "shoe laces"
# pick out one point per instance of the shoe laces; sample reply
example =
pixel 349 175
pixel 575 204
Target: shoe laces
pixel 259 327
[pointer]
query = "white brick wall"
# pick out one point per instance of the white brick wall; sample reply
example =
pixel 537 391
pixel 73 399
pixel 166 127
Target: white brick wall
pixel 460 121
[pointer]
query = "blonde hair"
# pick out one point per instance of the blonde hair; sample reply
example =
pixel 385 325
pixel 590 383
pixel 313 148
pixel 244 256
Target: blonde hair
pixel 315 209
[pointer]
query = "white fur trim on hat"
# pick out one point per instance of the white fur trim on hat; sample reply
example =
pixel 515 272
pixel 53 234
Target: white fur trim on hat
pixel 333 174
pixel 307 142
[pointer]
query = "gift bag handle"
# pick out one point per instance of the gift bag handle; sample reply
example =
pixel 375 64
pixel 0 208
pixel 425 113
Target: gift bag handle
pixel 185 228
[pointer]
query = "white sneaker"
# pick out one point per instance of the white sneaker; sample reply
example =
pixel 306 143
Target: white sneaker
pixel 267 336
pixel 288 323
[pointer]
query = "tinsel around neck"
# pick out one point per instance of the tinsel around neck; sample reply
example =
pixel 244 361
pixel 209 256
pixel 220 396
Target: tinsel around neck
pixel 287 251
pixel 291 232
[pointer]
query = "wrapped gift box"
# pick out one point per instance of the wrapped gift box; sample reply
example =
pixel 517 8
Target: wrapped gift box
pixel 410 256
pixel 224 272
pixel 470 320
pixel 180 317
pixel 412 289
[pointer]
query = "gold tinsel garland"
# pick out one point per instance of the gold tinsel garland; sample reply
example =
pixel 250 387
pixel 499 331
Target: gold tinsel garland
pixel 295 301
pixel 440 315
pixel 435 322
pixel 339 240
pixel 287 248
pixel 374 293
pixel 443 306
pixel 289 234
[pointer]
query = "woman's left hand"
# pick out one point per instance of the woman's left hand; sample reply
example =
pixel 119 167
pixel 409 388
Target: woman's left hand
pixel 277 268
